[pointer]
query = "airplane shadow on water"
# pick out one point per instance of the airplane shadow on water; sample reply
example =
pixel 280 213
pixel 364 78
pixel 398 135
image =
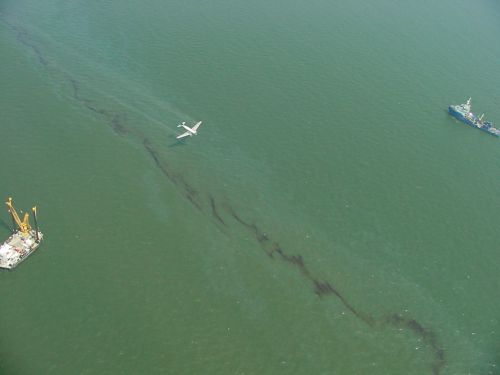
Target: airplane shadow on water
pixel 177 142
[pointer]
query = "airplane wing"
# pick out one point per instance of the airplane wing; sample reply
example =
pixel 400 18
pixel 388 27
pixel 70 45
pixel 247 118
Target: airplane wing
pixel 186 127
pixel 196 126
pixel 183 135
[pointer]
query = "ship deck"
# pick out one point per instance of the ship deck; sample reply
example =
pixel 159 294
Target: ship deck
pixel 17 248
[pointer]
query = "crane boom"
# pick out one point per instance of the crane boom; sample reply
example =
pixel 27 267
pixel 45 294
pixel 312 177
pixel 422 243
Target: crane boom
pixel 24 225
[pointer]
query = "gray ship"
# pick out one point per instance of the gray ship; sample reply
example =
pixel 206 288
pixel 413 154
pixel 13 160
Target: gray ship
pixel 463 112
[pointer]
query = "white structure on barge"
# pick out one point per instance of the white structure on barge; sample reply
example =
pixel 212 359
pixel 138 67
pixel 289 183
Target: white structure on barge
pixel 23 241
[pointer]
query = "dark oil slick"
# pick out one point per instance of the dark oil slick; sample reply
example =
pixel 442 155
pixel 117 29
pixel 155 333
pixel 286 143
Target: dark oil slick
pixel 200 200
pixel 113 119
pixel 23 37
pixel 175 178
pixel 215 212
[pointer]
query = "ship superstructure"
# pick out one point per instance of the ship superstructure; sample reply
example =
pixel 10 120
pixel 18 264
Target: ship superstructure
pixel 23 241
pixel 463 112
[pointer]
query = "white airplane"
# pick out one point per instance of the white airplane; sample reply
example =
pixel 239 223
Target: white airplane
pixel 190 131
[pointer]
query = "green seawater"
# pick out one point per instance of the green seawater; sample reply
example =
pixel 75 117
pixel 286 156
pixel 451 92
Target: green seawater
pixel 329 218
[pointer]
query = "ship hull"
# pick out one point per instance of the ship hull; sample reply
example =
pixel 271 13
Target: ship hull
pixel 460 116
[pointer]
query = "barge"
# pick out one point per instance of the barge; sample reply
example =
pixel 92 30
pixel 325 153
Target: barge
pixel 23 241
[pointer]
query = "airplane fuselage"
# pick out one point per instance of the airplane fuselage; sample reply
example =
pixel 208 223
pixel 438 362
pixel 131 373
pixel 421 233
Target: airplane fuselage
pixel 191 131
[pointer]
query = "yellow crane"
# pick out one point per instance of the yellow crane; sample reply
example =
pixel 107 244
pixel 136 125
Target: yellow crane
pixel 24 225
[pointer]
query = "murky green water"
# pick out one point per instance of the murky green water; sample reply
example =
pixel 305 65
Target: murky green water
pixel 330 218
